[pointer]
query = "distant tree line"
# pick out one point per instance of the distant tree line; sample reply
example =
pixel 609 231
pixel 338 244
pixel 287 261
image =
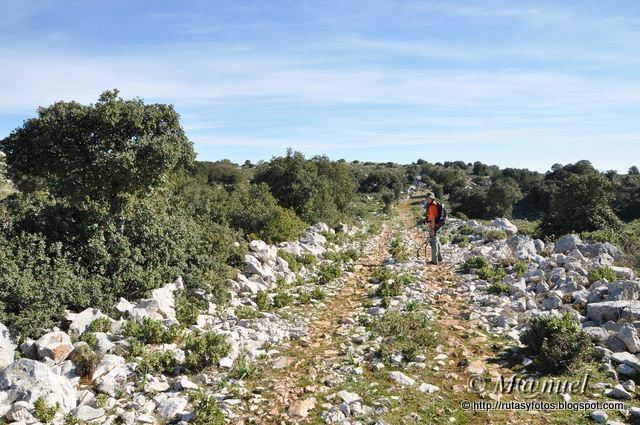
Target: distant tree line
pixel 568 198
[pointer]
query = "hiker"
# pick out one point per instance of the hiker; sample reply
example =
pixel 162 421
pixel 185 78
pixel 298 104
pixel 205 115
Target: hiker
pixel 434 221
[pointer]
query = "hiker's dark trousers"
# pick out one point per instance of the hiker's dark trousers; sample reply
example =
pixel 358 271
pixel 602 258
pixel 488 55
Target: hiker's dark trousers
pixel 435 248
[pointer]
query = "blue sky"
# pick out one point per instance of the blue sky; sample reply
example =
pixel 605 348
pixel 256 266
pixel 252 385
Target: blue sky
pixel 512 83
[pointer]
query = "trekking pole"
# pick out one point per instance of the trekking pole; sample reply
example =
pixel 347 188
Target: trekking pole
pixel 420 247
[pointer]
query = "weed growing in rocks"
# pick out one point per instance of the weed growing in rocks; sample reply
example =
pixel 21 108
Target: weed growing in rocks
pixel 520 268
pixel 494 235
pixel 242 368
pixel 282 299
pixel 398 249
pixel 475 263
pixel 157 362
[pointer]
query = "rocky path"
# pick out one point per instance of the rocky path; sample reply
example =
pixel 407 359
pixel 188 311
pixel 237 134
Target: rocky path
pixel 337 373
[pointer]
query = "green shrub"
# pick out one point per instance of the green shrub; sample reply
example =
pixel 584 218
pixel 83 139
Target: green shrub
pixel 246 312
pixel 290 259
pixel 282 299
pixel 318 294
pixel 464 243
pixel 157 362
pixel 409 333
pixel 381 274
pixel 520 268
pixel 328 272
pixel 602 273
pixel 262 300
pixel 101 324
pixel 527 227
pixel 465 230
pixel 242 368
pixel 457 239
pixel 205 409
pixel 398 249
pixel 559 343
pixel 494 235
pixel 151 332
pixel 475 263
pixel 498 288
pixel 411 306
pixel 188 307
pixel 304 297
pixel 389 288
pixel 204 350
pixel 308 259
pixel 44 413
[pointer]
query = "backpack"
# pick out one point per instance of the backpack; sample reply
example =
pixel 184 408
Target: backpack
pixel 441 218
pixel 442 214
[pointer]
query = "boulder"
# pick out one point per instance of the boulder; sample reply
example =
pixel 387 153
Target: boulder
pixel 54 345
pixel 124 307
pixel 7 347
pixel 614 310
pixel 597 334
pixel 623 272
pixel 596 249
pixel 87 413
pixel 27 380
pixel 81 321
pixel 165 298
pixel 301 408
pixel 169 408
pixel 566 243
pixel 505 225
pixel 626 358
pixel 629 336
pixel 401 378
pixel 624 290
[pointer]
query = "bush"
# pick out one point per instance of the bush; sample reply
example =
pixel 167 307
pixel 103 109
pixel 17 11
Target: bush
pixel 157 362
pixel 206 411
pixel 246 312
pixel 282 299
pixel 44 413
pixel 494 235
pixel 101 324
pixel 328 272
pixel 291 259
pixel 498 289
pixel 465 230
pixel 602 273
pixel 559 343
pixel 475 263
pixel 398 250
pixel 204 350
pixel 188 307
pixel 409 333
pixel 151 332
pixel 520 268
pixel 389 288
pixel 262 300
